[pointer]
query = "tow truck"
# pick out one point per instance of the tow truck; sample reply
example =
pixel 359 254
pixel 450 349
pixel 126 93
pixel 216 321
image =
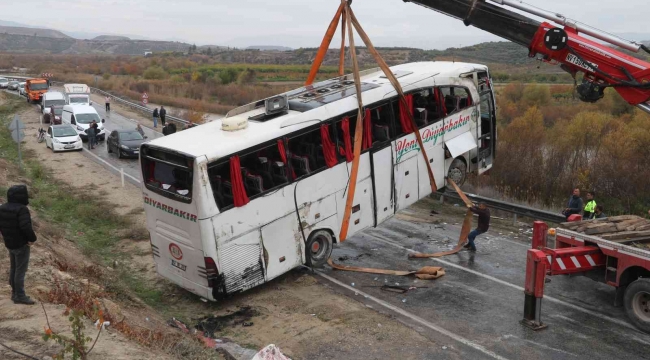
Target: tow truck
pixel 576 48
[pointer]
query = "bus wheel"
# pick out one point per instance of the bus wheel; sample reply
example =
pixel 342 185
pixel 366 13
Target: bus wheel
pixel 458 171
pixel 637 303
pixel 319 248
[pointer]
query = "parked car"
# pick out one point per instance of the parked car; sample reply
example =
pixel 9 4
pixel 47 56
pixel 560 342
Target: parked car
pixel 21 88
pixel 81 116
pixel 63 138
pixel 4 83
pixel 13 85
pixel 125 143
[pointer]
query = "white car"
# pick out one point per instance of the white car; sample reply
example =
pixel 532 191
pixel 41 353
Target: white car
pixel 4 83
pixel 62 138
pixel 21 88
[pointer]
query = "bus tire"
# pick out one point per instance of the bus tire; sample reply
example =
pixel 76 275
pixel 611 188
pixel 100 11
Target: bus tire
pixel 319 248
pixel 458 171
pixel 637 304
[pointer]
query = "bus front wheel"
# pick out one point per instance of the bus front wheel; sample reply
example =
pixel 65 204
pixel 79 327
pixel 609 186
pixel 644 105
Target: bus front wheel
pixel 457 171
pixel 319 248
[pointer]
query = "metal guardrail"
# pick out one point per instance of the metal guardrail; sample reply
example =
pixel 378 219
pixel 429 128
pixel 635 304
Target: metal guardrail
pixel 512 208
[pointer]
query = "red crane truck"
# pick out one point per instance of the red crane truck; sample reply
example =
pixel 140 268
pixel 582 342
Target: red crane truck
pixel 564 43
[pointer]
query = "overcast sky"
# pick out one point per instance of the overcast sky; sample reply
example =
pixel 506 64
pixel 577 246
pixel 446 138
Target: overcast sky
pixel 294 23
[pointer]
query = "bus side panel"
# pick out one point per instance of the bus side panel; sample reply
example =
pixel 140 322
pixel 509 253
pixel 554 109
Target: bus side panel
pixel 362 215
pixel 282 245
pixel 406 182
pixel 436 156
pixel 384 186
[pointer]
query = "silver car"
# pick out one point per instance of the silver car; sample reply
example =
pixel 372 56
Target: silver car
pixel 13 85
pixel 4 83
pixel 21 88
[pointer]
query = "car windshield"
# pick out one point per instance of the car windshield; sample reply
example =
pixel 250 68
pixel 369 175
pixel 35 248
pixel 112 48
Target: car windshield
pixel 13 82
pixel 38 86
pixel 48 103
pixel 132 135
pixel 78 100
pixel 86 118
pixel 58 111
pixel 64 131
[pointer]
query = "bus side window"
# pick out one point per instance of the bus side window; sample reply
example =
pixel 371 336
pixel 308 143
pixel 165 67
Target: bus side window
pixel 221 186
pixel 305 153
pixel 425 107
pixel 380 118
pixel 262 170
pixel 456 99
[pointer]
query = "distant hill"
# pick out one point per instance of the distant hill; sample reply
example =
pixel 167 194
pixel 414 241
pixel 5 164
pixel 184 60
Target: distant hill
pixel 15 30
pixel 268 48
pixel 110 38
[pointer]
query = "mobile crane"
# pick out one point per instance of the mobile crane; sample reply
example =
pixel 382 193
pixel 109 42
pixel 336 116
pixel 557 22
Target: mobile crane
pixel 615 263
pixel 603 66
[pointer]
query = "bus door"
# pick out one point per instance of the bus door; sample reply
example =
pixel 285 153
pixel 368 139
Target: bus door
pixel 486 129
pixel 382 160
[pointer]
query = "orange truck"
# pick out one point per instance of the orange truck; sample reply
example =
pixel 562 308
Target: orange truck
pixel 35 88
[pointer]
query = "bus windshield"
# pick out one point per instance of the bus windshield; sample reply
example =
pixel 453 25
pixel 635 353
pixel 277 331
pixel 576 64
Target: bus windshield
pixel 168 174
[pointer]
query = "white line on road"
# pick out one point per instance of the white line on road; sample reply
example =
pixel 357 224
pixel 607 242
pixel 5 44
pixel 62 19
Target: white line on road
pixel 502 282
pixel 416 318
pixel 110 165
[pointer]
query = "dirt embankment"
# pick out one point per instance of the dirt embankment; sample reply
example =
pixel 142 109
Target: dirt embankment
pixel 305 318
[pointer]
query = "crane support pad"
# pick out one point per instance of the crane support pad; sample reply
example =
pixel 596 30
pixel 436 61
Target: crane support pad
pixel 574 259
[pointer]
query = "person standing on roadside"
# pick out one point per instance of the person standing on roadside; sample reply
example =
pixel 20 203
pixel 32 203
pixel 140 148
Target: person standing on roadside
pixel 575 204
pixel 155 117
pixel 590 207
pixel 599 214
pixel 96 126
pixel 163 113
pixel 91 136
pixel 107 100
pixel 483 224
pixel 19 236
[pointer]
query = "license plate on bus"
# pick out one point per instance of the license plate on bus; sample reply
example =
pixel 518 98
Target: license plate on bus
pixel 68 147
pixel 176 264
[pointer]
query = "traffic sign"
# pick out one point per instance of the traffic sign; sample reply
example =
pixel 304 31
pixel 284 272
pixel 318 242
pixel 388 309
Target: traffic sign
pixel 18 136
pixel 16 123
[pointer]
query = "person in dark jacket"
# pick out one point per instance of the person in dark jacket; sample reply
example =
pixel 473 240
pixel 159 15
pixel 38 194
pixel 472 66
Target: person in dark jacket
pixel 599 214
pixel 155 117
pixel 163 113
pixel 483 224
pixel 575 204
pixel 18 234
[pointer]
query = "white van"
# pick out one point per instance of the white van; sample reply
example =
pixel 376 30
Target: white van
pixel 51 98
pixel 77 94
pixel 81 116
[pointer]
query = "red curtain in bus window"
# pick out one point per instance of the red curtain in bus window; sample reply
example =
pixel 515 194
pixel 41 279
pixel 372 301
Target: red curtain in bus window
pixel 329 151
pixel 439 100
pixel 403 114
pixel 283 156
pixel 469 99
pixel 347 140
pixel 367 130
pixel 238 191
pixel 151 169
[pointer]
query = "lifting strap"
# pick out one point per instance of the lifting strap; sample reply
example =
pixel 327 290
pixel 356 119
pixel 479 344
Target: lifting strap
pixel 425 273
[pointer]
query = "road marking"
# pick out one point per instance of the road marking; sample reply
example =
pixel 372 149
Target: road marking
pixel 502 282
pixel 110 165
pixel 416 318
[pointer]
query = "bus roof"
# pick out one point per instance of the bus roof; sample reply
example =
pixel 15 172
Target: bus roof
pixel 304 110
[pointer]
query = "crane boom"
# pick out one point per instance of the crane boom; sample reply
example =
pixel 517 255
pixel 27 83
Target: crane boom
pixel 563 44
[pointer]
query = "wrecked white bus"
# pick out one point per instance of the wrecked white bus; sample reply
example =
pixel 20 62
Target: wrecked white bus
pixel 236 202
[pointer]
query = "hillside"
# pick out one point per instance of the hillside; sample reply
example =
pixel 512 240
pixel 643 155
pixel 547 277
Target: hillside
pixel 110 38
pixel 49 33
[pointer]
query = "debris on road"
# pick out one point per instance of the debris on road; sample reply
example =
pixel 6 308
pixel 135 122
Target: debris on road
pixel 270 352
pixel 211 324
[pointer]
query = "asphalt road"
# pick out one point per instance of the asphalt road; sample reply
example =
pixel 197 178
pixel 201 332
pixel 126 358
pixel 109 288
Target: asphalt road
pixel 478 304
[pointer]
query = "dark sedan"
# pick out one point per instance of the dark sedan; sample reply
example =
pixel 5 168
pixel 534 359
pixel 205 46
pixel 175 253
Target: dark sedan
pixel 125 143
